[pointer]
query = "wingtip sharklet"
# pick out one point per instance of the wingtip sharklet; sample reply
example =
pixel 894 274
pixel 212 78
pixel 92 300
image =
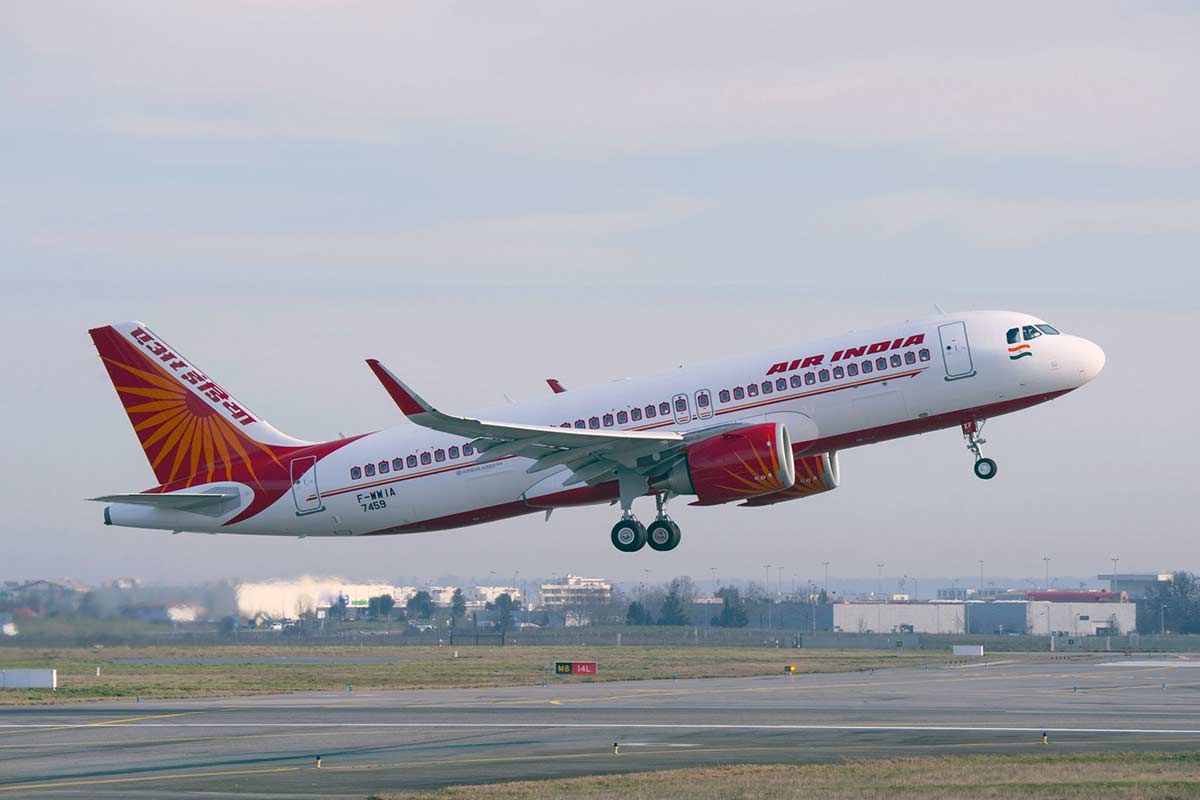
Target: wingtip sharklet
pixel 410 402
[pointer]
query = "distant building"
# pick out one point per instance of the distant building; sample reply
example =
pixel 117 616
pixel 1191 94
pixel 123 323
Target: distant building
pixel 1138 585
pixel 574 590
pixel 958 593
pixel 488 594
pixel 892 618
pixel 1044 617
pixel 284 600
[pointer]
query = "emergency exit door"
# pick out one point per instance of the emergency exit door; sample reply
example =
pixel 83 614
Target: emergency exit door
pixel 305 492
pixel 956 351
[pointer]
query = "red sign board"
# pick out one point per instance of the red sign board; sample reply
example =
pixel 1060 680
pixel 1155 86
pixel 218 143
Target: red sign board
pixel 574 667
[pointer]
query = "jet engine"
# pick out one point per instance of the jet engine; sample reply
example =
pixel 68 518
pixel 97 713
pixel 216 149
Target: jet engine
pixel 741 464
pixel 814 474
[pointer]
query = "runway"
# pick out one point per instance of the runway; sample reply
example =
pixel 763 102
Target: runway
pixel 372 741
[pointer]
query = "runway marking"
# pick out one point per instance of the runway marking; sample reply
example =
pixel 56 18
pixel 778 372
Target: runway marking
pixel 111 722
pixel 14 787
pixel 629 726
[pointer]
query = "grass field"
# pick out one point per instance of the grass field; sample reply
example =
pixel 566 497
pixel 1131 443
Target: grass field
pixel 266 669
pixel 1132 776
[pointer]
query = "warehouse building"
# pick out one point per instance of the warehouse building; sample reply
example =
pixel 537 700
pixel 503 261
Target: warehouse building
pixel 892 618
pixel 1043 618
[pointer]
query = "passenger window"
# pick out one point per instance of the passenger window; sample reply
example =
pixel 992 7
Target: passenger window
pixel 881 363
pixel 723 395
pixel 355 473
pixel 809 379
pixel 650 412
pixel 468 450
pixel 636 415
pixel 895 359
pixel 701 400
pixel 565 425
pixel 924 354
pixel 593 422
pixel 767 388
pixel 439 455
pixel 622 418
pixel 426 458
pixel 838 372
pixel 1014 335
pixel 580 423
pixel 738 393
pixel 665 409
pixel 910 357
pixel 454 452
pixel 412 461
pixel 823 375
pixel 1030 332
pixel 384 468
pixel 1048 329
pixel 852 370
pixel 397 464
pixel 866 366
pixel 608 420
pixel 681 405
pixel 369 470
pixel 752 390
pixel 796 381
pixel 780 384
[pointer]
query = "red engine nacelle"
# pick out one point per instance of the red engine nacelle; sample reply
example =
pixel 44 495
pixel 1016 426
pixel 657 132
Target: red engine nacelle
pixel 749 462
pixel 814 474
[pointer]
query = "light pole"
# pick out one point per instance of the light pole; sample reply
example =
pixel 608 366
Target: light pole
pixel 825 587
pixel 879 582
pixel 714 579
pixel 981 577
pixel 779 582
pixel 1114 559
pixel 1046 561
pixel 767 587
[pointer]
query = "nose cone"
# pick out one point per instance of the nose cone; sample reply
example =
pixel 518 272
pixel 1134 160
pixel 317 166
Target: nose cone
pixel 1089 360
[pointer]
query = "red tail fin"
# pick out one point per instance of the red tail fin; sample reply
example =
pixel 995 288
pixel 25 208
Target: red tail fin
pixel 191 429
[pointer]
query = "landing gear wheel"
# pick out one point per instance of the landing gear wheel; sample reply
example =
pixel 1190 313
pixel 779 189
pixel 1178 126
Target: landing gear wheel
pixel 629 535
pixel 985 469
pixel 662 535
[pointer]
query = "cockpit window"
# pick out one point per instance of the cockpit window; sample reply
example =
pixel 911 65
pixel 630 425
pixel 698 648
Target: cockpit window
pixel 1030 332
pixel 1048 329
pixel 1014 335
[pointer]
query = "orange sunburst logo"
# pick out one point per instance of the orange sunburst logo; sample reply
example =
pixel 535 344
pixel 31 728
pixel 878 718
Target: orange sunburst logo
pixel 184 438
pixel 754 481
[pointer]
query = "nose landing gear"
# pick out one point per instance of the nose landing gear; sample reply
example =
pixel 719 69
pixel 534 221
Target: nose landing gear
pixel 985 468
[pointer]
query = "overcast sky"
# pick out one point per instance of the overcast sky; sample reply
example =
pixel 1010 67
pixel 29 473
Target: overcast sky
pixel 484 196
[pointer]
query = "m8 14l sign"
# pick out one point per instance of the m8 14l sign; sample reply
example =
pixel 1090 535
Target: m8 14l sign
pixel 574 667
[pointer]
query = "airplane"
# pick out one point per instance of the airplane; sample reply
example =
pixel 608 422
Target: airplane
pixel 759 430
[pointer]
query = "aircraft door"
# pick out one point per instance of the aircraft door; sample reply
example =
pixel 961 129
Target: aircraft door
pixel 305 492
pixel 704 403
pixel 683 414
pixel 956 351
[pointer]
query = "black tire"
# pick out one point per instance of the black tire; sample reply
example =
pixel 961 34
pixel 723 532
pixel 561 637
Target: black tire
pixel 662 535
pixel 985 469
pixel 629 536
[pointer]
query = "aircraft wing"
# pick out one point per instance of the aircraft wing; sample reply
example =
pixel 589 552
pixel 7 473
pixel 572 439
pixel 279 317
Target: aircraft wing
pixel 591 455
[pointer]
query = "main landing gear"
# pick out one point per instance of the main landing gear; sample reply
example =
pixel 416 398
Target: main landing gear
pixel 629 535
pixel 985 468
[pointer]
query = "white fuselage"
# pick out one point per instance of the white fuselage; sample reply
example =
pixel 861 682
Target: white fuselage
pixel 936 373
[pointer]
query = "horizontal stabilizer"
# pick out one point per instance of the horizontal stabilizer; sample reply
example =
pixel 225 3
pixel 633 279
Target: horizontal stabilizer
pixel 193 501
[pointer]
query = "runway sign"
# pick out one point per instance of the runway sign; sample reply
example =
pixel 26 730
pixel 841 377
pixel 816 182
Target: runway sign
pixel 574 667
